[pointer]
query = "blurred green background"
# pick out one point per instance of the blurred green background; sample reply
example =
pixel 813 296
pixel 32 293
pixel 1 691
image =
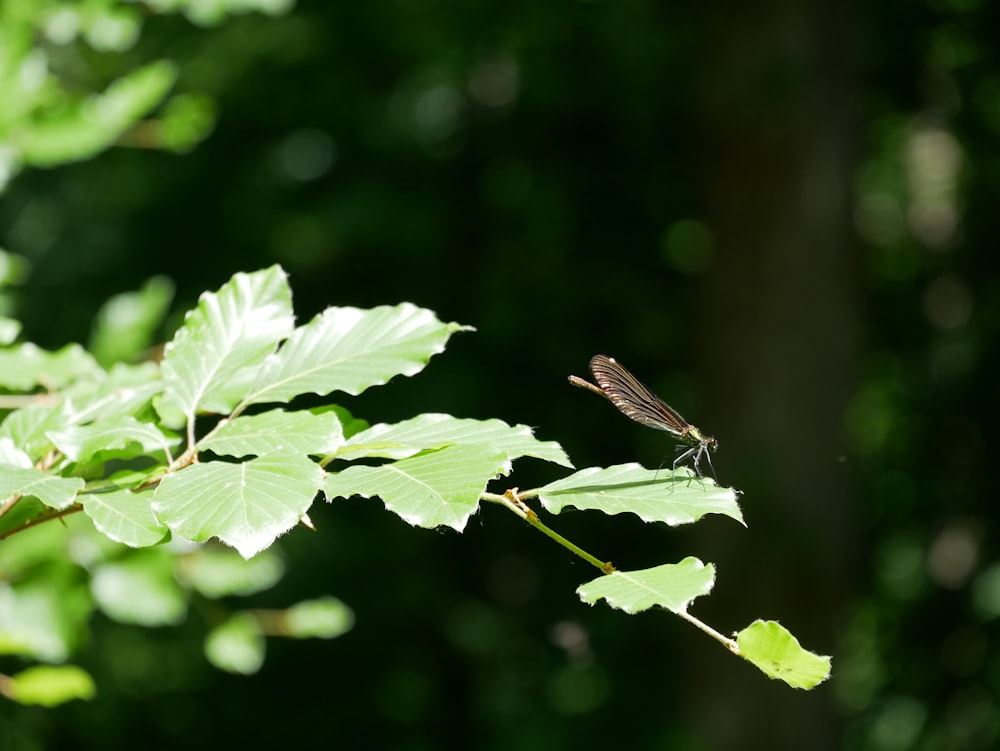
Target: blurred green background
pixel 780 216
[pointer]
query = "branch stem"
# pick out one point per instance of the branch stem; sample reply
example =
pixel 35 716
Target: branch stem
pixel 514 501
pixel 730 644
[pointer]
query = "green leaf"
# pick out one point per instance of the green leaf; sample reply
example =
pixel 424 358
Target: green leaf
pixel 14 269
pixel 350 424
pixel 24 555
pixel 133 479
pixel 186 120
pixel 349 349
pixel 121 392
pixel 112 29
pixel 652 495
pixel 124 391
pixel 428 490
pixel 277 432
pixel 140 588
pixel 123 438
pixel 216 354
pixel 236 646
pixel 245 505
pixel 12 456
pixel 428 431
pixel 672 586
pixel 10 329
pixel 24 367
pixel 56 492
pixel 25 511
pixel 50 686
pixel 125 325
pixel 213 13
pixel 324 618
pixel 44 618
pixel 769 646
pixel 219 572
pixel 27 428
pixel 90 126
pixel 126 517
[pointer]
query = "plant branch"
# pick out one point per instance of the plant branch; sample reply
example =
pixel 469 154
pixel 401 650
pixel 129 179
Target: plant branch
pixel 514 502
pixel 730 644
pixel 42 519
pixel 16 401
pixel 8 504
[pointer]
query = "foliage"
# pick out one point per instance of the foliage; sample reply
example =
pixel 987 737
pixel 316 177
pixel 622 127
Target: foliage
pixel 49 117
pixel 147 463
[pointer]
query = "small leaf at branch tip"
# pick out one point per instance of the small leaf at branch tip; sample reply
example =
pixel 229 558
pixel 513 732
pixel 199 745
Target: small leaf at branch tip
pixel 778 654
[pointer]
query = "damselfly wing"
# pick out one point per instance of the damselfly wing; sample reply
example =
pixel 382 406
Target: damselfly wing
pixel 634 400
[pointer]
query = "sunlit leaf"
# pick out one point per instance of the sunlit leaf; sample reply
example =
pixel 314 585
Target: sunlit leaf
pixel 28 427
pixel 125 517
pixel 428 490
pixel 140 588
pixel 12 456
pixel 125 325
pixel 44 618
pixel 403 439
pixel 215 355
pixel 214 12
pixel 98 395
pixel 54 491
pixel 89 126
pixel 123 391
pixel 672 586
pixel 246 505
pixel 24 367
pixel 50 686
pixel 219 572
pixel 10 329
pixel 349 349
pixel 111 28
pixel 770 646
pixel 652 495
pixel 123 437
pixel 324 618
pixel 277 432
pixel 236 646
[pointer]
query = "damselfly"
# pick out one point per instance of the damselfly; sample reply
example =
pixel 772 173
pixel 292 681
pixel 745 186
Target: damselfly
pixel 636 401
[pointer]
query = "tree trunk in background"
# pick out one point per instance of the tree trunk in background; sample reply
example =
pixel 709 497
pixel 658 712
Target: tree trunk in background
pixel 779 344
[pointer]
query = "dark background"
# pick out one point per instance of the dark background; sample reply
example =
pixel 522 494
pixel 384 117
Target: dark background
pixel 779 215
